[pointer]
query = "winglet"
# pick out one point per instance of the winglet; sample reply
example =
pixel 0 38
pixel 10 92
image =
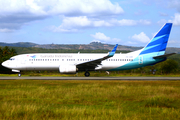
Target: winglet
pixel 113 51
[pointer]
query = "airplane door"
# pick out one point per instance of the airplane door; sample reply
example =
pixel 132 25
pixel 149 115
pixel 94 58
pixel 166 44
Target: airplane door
pixel 140 60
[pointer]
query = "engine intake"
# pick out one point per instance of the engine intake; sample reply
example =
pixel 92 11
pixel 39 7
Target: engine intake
pixel 71 69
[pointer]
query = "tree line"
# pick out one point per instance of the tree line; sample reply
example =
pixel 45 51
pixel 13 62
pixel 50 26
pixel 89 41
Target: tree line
pixel 5 54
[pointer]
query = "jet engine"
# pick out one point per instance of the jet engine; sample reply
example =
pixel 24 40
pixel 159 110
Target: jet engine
pixel 71 69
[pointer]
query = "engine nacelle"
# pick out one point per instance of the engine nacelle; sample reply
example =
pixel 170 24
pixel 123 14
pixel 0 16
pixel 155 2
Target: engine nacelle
pixel 71 69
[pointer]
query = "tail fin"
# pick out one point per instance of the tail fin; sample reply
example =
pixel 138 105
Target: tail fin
pixel 159 42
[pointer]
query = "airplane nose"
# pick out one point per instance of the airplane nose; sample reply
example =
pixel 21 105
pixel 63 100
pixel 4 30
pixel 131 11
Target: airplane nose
pixel 5 64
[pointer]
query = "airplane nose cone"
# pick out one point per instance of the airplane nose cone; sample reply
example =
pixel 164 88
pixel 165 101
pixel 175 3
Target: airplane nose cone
pixel 4 64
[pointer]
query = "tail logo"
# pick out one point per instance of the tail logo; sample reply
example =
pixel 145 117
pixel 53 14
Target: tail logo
pixel 159 42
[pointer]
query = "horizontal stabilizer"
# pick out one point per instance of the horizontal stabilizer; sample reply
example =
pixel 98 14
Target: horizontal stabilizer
pixel 163 56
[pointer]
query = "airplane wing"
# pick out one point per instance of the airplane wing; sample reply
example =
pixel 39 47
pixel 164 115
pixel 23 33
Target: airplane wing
pixel 163 56
pixel 90 65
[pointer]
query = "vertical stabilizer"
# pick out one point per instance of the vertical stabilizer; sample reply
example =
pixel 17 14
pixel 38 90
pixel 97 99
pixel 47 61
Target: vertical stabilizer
pixel 159 42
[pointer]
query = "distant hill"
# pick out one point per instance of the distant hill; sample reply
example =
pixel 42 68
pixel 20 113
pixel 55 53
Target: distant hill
pixel 19 44
pixel 91 46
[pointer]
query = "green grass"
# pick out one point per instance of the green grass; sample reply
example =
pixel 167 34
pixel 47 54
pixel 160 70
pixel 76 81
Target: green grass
pixel 98 100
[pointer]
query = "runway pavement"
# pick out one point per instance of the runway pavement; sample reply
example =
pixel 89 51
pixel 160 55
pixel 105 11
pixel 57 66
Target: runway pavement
pixel 89 78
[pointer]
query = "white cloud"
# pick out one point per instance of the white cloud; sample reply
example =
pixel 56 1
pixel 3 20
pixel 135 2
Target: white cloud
pixel 126 22
pixel 82 7
pixel 129 43
pixel 65 7
pixel 144 22
pixel 163 14
pixel 142 37
pixel 71 22
pixel 8 7
pixel 78 14
pixel 129 22
pixel 162 22
pixel 25 11
pixel 74 24
pixel 101 23
pixel 101 36
pixel 174 43
pixel 174 4
pixel 116 40
pixel 176 19
pixel 105 39
pixel 6 30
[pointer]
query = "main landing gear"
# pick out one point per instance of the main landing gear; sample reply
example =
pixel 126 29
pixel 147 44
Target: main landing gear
pixel 19 74
pixel 87 74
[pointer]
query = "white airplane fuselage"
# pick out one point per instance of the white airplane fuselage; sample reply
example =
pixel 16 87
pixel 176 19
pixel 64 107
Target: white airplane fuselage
pixel 52 61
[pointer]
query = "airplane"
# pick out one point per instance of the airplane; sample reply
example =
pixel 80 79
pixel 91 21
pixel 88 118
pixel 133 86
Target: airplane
pixel 152 53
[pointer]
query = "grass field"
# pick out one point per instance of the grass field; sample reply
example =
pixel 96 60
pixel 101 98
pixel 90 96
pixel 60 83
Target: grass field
pixel 91 100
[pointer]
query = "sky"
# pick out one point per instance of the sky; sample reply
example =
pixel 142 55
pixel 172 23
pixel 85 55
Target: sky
pixel 123 22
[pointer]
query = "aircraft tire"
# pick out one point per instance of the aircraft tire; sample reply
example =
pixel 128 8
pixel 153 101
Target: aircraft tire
pixel 87 74
pixel 19 75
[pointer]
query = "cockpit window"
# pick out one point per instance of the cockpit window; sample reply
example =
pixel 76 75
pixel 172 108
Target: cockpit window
pixel 12 59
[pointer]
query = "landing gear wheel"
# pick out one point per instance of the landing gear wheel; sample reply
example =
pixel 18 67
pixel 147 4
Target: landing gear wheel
pixel 87 74
pixel 19 75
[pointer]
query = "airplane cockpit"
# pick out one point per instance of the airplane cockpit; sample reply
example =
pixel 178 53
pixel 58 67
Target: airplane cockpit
pixel 10 63
pixel 12 59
